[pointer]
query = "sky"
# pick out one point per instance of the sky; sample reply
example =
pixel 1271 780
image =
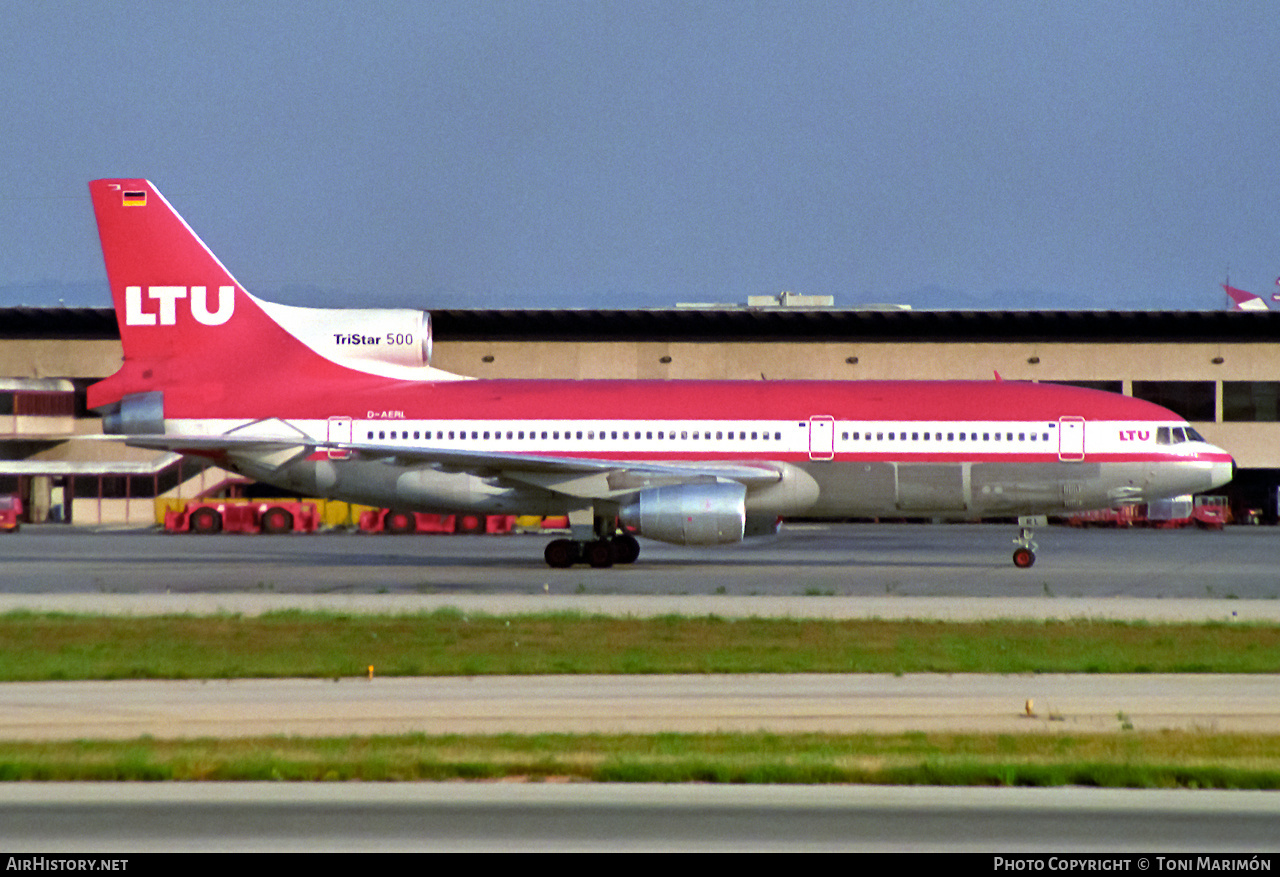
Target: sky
pixel 547 153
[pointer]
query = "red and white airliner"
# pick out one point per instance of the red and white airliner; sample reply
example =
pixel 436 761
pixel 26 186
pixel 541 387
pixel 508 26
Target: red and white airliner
pixel 1247 301
pixel 346 404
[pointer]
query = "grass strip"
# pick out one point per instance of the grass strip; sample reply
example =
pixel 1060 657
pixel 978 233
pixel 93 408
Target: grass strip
pixel 1168 759
pixel 50 646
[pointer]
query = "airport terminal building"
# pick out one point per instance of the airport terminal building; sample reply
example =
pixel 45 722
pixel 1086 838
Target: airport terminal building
pixel 1219 369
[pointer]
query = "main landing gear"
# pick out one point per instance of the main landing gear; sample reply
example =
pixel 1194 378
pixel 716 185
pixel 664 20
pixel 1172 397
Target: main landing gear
pixel 1025 554
pixel 599 553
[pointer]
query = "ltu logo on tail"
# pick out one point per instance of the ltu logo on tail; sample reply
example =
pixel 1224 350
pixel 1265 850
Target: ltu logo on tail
pixel 167 298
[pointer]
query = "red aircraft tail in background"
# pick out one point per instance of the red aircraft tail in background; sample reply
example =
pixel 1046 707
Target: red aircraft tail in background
pixel 1247 301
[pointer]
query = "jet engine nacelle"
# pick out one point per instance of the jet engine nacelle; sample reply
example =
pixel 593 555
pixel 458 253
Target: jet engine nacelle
pixel 689 514
pixel 393 336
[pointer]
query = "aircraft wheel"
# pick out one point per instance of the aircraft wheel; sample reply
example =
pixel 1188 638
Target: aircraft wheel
pixel 626 548
pixel 277 521
pixel 205 521
pixel 598 554
pixel 561 553
pixel 1023 558
pixel 400 523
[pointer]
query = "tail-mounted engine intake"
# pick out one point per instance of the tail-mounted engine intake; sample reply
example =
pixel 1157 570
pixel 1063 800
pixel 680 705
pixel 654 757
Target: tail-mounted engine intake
pixel 689 514
pixel 392 336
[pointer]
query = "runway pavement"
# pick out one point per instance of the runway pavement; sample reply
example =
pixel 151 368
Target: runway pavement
pixel 783 703
pixel 132 818
pixel 857 560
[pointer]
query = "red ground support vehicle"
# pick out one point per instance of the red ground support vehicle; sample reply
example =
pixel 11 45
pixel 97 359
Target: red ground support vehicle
pixel 1206 512
pixel 1169 514
pixel 401 522
pixel 1124 517
pixel 10 513
pixel 1211 512
pixel 260 516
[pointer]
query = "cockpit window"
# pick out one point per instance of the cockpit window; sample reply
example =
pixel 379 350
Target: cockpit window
pixel 1176 435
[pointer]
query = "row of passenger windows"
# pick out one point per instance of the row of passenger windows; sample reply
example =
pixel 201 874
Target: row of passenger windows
pixel 1164 435
pixel 699 435
pixel 938 436
pixel 588 435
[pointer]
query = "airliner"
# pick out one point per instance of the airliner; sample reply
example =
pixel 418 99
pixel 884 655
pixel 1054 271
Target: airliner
pixel 345 403
pixel 1247 301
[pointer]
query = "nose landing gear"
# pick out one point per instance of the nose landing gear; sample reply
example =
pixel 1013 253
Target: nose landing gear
pixel 1025 554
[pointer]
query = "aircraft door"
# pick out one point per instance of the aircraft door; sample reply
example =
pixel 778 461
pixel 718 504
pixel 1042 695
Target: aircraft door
pixel 339 431
pixel 822 438
pixel 1071 439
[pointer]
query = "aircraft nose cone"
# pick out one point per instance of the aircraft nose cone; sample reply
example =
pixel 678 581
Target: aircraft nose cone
pixel 1223 470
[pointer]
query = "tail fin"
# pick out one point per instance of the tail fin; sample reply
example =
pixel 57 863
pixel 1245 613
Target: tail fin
pixel 1244 301
pixel 193 333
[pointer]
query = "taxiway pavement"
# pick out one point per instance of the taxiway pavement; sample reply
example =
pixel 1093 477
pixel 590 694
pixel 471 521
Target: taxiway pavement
pixel 841 560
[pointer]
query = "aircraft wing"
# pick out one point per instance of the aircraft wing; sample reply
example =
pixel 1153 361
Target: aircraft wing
pixel 574 476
